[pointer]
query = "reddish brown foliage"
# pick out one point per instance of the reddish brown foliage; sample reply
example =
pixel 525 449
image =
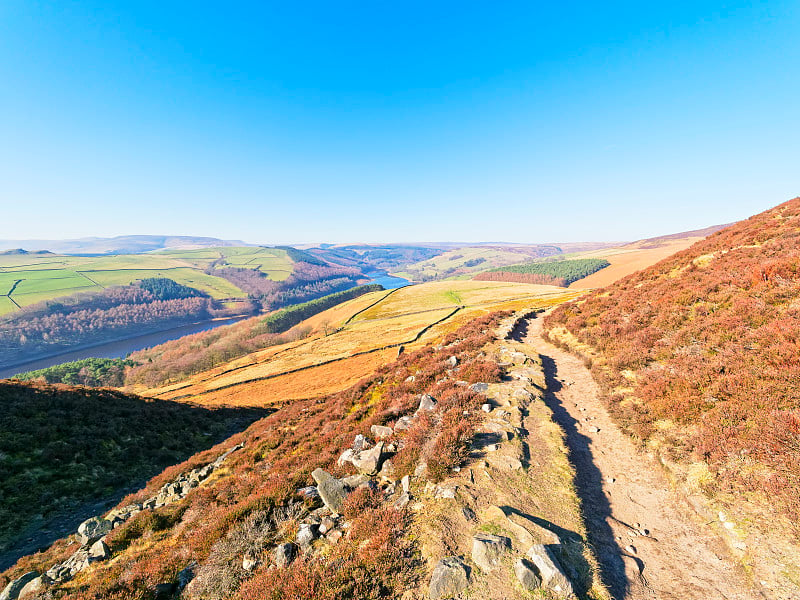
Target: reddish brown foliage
pixel 713 336
pixel 534 278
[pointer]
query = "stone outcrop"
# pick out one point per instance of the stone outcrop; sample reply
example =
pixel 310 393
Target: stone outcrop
pixel 527 575
pixel 488 550
pixel 450 577
pixel 331 490
pixel 549 570
pixel 13 589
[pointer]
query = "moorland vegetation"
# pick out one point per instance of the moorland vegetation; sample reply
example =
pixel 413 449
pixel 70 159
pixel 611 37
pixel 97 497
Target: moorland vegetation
pixel 701 353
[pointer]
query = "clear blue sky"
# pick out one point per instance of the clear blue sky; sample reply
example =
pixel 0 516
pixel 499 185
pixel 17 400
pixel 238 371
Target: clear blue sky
pixel 395 121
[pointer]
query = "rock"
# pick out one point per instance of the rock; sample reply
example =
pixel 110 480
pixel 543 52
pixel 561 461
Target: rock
pixel 406 483
pixel 426 402
pixel 353 481
pixel 630 549
pixel 34 587
pixel 404 499
pixel 420 469
pixel 368 461
pixel 249 563
pixel 99 551
pixel 593 429
pixel 488 550
pixel 468 513
pixel 360 443
pixel 326 525
pixel 450 577
pixel 452 361
pixel 309 492
pixel 334 536
pixel 487 408
pixel 346 457
pixel 481 388
pixel 186 575
pixel 284 555
pixel 549 570
pixel 527 575
pixel 380 431
pixel 403 423
pixel 307 533
pixel 331 490
pixel 410 379
pixel 13 589
pixel 93 529
pixel 387 471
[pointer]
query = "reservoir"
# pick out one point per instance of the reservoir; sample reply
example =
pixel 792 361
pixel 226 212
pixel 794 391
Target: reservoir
pixel 390 282
pixel 119 348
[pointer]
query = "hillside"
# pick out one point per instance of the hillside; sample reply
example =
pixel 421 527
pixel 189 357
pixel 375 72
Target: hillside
pixel 64 448
pixel 123 244
pixel 450 474
pixel 698 355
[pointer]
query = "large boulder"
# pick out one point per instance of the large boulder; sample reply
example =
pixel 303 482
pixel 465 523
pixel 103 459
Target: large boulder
pixel 450 577
pixel 488 550
pixel 99 551
pixel 93 529
pixel 13 589
pixel 549 570
pixel 331 490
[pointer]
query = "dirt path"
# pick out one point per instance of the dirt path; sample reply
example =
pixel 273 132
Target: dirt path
pixel 644 536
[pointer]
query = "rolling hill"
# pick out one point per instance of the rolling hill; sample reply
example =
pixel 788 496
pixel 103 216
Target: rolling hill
pixel 698 355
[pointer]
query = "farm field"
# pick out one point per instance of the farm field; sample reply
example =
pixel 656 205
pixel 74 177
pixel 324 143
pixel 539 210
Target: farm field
pixel 366 333
pixel 473 260
pixel 26 279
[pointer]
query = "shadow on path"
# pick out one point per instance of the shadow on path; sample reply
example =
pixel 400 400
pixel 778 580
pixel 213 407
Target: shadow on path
pixel 595 507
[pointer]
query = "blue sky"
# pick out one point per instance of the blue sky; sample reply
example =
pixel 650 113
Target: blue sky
pixel 395 121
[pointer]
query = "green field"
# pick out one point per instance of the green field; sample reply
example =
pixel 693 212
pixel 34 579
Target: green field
pixel 463 261
pixel 49 276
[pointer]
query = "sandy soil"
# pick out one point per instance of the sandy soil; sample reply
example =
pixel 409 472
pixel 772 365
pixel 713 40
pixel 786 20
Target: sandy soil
pixel 647 539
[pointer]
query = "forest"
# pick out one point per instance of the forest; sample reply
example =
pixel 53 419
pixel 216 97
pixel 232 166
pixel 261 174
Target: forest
pixel 709 338
pixel 557 272
pixel 115 312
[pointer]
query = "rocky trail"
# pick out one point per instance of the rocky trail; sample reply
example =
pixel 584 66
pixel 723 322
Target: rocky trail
pixel 647 540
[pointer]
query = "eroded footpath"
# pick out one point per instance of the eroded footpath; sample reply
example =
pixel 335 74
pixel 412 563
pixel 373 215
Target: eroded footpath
pixel 645 536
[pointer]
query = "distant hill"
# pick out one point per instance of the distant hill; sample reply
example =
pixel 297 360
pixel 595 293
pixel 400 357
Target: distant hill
pixel 699 355
pixel 123 244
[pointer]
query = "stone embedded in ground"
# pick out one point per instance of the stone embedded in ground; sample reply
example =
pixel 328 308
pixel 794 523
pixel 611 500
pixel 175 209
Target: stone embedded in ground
pixel 368 461
pixel 387 471
pixel 12 590
pixel 360 443
pixel 331 490
pixel 380 431
pixel 307 533
pixel 249 563
pixel 452 361
pixel 488 550
pixel 99 551
pixel 93 529
pixel 550 571
pixel 527 575
pixel 403 500
pixel 403 423
pixel 406 483
pixel 487 408
pixel 308 493
pixel 479 387
pixel 450 577
pixel 427 402
pixel 353 481
pixel 284 555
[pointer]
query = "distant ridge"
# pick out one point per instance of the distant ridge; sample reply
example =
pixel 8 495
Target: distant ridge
pixel 123 244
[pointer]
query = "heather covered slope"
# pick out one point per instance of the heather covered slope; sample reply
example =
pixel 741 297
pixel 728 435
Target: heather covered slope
pixel 62 447
pixel 700 354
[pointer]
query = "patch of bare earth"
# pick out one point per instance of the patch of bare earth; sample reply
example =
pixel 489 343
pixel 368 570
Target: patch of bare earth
pixel 649 542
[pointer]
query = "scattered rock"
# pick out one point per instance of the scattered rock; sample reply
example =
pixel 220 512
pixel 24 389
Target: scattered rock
pixel 326 525
pixel 284 555
pixel 426 402
pixel 452 361
pixel 13 589
pixel 481 388
pixel 164 591
pixel 380 431
pixel 307 533
pixel 403 423
pixel 368 461
pixel 249 563
pixel 406 483
pixel 331 490
pixel 346 457
pixel 468 513
pixel 308 493
pixel 487 408
pixel 594 429
pixel 99 551
pixel 450 577
pixel 630 549
pixel 549 570
pixel 387 471
pixel 93 529
pixel 403 500
pixel 488 550
pixel 360 443
pixel 420 469
pixel 353 481
pixel 527 575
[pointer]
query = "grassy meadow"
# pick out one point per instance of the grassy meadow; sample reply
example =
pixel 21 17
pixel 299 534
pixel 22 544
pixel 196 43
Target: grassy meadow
pixel 26 279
